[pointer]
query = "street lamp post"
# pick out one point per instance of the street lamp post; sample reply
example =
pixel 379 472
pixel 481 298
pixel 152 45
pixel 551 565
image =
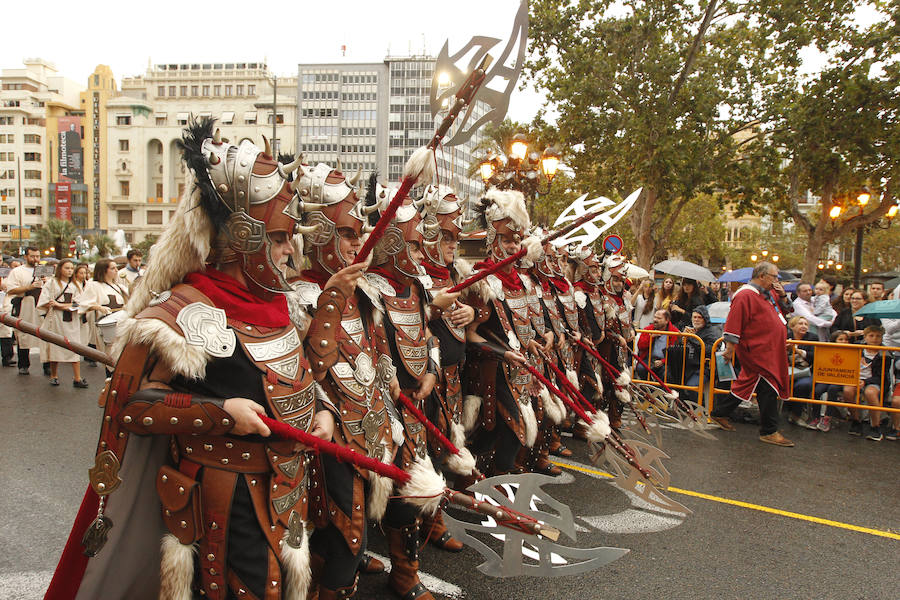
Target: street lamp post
pixel 862 199
pixel 520 169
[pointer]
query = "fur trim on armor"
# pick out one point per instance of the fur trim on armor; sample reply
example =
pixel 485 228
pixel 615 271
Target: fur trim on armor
pixel 623 379
pixel 599 383
pixel 180 357
pixel 599 429
pixel 295 562
pixel 533 248
pixel 551 408
pixel 379 492
pixel 462 463
pixel 425 489
pixel 182 248
pixel 623 395
pixel 176 569
pixel 529 420
pixel 471 408
pixel 378 314
pixel 463 267
pixel 572 376
pixel 580 298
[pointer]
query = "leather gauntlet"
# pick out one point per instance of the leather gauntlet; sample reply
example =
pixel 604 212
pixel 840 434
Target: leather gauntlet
pixel 156 411
pixel 322 350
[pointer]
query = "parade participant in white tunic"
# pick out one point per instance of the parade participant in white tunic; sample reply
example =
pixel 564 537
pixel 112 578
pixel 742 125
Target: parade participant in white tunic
pixel 102 296
pixel 59 299
pixel 24 289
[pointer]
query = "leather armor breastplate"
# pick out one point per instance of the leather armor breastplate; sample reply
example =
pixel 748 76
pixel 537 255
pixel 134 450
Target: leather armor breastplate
pixel 535 312
pixel 405 314
pixel 520 330
pixel 459 333
pixel 597 305
pixel 570 309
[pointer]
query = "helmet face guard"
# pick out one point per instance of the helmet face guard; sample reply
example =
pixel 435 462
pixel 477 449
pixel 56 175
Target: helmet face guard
pixel 255 190
pixel 589 266
pixel 392 251
pixel 495 232
pixel 613 269
pixel 441 218
pixel 548 264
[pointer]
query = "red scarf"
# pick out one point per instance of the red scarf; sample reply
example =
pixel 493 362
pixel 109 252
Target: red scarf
pixel 560 283
pixel 315 276
pixel 237 302
pixel 439 272
pixel 511 280
pixel 391 278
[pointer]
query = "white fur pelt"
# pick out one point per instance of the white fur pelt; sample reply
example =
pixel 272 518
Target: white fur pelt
pixel 295 562
pixel 379 492
pixel 507 204
pixel 471 408
pixel 176 569
pixel 420 165
pixel 182 248
pixel 624 378
pixel 572 376
pixel 179 356
pixel 425 488
pixel 599 380
pixel 462 463
pixel 551 408
pixel 599 428
pixel 529 420
pixel 463 267
pixel 533 251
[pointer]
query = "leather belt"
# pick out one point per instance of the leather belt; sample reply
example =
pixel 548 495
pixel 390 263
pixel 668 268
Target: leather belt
pixel 228 454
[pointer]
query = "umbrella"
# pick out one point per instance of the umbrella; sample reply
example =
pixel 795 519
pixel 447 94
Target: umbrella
pixel 892 283
pixel 718 311
pixel 743 275
pixel 683 268
pixel 883 309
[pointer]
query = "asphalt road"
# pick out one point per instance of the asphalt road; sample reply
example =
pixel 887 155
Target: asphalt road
pixel 738 542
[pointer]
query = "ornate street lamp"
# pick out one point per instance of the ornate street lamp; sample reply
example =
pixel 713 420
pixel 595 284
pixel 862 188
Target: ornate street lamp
pixel 861 200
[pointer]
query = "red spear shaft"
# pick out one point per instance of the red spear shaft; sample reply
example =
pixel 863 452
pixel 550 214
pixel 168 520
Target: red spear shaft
pixel 421 418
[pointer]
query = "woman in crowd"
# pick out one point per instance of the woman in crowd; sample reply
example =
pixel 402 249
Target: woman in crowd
pixel 694 361
pixel 59 298
pixel 81 277
pixel 644 302
pixel 665 295
pixel 102 296
pixel 690 297
pixel 800 359
pixel 842 302
pixel 852 324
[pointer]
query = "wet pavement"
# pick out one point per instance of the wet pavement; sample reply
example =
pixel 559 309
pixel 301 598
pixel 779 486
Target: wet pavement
pixel 821 520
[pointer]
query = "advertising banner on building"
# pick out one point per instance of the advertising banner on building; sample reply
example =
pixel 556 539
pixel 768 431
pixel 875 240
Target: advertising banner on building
pixel 71 157
pixel 64 201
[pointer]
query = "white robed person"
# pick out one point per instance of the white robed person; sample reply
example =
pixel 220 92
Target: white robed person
pixel 23 289
pixel 59 300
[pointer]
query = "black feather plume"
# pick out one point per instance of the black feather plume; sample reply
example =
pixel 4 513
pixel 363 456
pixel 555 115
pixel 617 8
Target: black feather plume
pixel 372 197
pixel 190 145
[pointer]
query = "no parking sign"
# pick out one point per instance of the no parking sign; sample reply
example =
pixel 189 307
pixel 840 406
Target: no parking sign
pixel 612 243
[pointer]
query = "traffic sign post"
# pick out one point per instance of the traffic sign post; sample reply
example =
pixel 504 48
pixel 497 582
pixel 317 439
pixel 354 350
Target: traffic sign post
pixel 612 243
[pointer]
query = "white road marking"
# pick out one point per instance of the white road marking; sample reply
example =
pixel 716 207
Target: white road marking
pixel 435 585
pixel 25 585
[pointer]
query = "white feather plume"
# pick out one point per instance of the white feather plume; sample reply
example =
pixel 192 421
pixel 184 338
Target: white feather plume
pixel 623 379
pixel 533 249
pixel 529 420
pixel 599 428
pixel 379 491
pixel 551 408
pixel 176 569
pixel 425 489
pixel 295 562
pixel 420 165
pixel 507 204
pixel 471 408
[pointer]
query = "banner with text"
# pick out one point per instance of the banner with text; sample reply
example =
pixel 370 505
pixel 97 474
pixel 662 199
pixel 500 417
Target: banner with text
pixel 71 157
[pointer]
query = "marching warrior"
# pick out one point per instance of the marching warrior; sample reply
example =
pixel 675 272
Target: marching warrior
pixel 208 348
pixel 355 373
pixel 394 279
pixel 497 407
pixel 442 224
pixel 586 275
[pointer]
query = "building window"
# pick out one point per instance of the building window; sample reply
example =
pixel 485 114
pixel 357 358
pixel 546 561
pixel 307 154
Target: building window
pixel 33 210
pixel 124 188
pixel 183 90
pixel 239 90
pixel 123 217
pixel 32 157
pixel 160 120
pixel 123 145
pixel 33 193
pixel 32 138
pixel 154 217
pixel 123 120
pixel 161 90
pixel 30 174
pixel 159 190
pixel 171 90
pixel 227 118
pixel 280 118
pixel 8 138
pixel 195 90
pixel 217 90
pixel 206 90
pixel 251 90
pixel 228 89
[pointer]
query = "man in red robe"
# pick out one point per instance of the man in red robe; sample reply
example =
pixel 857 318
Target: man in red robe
pixel 756 332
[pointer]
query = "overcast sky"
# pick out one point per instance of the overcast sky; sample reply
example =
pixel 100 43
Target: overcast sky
pixel 77 36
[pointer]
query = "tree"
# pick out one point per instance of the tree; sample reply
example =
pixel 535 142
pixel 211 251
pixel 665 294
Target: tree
pixel 104 244
pixel 661 94
pixel 56 234
pixel 145 245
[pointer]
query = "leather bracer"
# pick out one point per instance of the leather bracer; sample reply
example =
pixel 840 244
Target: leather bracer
pixel 322 350
pixel 157 411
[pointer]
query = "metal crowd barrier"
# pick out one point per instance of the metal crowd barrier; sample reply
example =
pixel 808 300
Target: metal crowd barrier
pixel 680 383
pixel 887 383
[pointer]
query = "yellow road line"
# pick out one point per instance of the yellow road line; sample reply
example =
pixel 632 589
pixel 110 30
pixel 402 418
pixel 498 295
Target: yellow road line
pixel 765 509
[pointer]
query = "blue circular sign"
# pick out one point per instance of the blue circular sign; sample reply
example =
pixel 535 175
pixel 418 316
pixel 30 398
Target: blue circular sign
pixel 612 243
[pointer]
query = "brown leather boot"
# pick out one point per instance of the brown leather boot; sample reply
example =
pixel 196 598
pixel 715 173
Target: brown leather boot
pixel 403 546
pixel 438 534
pixel 544 466
pixel 370 565
pixel 340 593
pixel 579 432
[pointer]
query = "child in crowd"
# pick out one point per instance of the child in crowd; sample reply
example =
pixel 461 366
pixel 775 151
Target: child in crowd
pixel 871 367
pixel 822 308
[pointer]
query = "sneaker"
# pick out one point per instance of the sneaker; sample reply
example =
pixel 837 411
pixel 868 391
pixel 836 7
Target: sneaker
pixel 892 434
pixel 825 424
pixel 856 428
pixel 814 424
pixel 797 420
pixel 874 434
pixel 23 371
pixel 80 383
pixel 54 381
